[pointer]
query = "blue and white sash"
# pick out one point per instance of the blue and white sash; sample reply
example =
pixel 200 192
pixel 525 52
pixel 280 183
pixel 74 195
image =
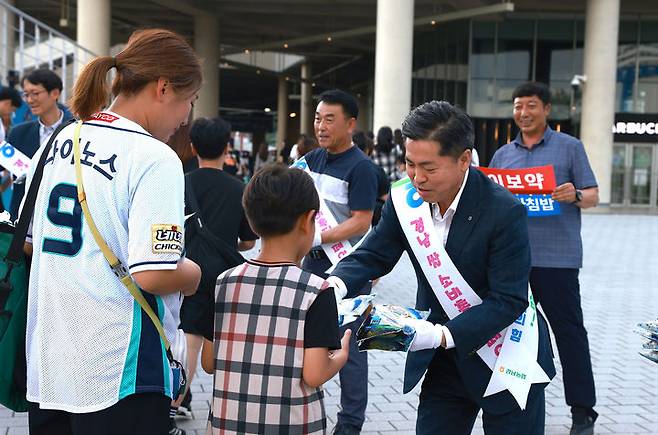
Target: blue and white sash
pixel 512 353
pixel 325 220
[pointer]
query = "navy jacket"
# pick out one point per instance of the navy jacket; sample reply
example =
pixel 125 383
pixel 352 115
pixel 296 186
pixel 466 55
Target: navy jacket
pixel 488 243
pixel 25 138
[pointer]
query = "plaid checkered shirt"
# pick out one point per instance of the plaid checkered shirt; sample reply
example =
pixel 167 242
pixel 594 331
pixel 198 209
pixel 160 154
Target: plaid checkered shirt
pixel 259 351
pixel 388 162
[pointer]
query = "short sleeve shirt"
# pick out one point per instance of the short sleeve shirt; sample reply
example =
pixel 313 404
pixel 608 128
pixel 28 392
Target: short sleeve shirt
pixel 346 181
pixel 321 326
pixel 555 241
pixel 219 196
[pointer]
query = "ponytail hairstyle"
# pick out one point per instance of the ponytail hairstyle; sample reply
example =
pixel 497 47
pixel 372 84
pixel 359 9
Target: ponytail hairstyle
pixel 148 55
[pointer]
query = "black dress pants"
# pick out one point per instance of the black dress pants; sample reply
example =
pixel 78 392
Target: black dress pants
pixel 557 290
pixel 446 408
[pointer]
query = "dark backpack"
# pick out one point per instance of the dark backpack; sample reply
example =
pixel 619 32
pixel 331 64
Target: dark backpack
pixel 211 253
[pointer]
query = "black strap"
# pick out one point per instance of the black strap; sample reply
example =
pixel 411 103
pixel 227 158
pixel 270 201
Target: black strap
pixel 15 251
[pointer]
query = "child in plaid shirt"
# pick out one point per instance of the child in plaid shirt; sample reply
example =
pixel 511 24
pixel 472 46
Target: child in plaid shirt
pixel 276 325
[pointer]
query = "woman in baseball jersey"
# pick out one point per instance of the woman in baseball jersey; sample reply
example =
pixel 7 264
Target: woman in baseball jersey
pixel 96 363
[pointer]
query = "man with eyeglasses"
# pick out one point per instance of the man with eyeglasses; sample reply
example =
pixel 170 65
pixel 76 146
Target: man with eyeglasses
pixel 41 90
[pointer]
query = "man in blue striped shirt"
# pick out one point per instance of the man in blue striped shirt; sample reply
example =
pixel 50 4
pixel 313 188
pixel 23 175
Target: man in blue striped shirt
pixel 555 242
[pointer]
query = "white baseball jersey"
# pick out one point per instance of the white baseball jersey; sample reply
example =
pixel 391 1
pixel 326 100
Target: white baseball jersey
pixel 89 344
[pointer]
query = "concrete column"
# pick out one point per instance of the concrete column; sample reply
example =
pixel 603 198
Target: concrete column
pixel 393 62
pixel 206 44
pixel 282 113
pixel 306 107
pixel 93 26
pixel 598 103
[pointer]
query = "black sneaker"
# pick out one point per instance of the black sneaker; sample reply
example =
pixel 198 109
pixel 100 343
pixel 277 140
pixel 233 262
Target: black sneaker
pixel 346 429
pixel 582 421
pixel 173 429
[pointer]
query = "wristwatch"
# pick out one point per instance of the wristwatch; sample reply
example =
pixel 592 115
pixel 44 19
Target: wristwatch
pixel 579 196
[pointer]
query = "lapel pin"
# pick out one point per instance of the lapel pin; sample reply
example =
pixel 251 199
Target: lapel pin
pixel 470 218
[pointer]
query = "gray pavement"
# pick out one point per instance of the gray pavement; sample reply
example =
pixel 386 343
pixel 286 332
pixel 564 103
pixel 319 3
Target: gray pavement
pixel 618 288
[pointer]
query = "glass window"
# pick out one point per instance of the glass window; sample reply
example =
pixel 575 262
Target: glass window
pixel 556 62
pixel 482 64
pixel 513 62
pixel 647 88
pixel 641 174
pixel 618 174
pixel 440 69
pixel 626 60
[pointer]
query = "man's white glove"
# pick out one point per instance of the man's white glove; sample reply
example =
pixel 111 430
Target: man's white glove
pixel 340 289
pixel 317 237
pixel 428 335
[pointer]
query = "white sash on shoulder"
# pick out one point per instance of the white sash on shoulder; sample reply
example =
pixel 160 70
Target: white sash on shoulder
pixel 512 353
pixel 325 220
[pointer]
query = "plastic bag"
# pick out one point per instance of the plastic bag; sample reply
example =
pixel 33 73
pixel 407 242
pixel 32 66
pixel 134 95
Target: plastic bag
pixel 351 309
pixel 385 328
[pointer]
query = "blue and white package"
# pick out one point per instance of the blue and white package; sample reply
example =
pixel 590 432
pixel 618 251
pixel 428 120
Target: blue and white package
pixel 386 327
pixel 351 309
pixel 649 330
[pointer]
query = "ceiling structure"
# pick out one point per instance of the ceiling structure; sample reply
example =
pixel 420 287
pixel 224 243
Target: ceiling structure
pixel 298 27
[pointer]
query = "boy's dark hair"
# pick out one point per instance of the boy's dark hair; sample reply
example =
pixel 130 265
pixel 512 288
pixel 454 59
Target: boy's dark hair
pixel 443 123
pixel 210 137
pixel 345 100
pixel 7 93
pixel 44 77
pixel 276 197
pixel 533 88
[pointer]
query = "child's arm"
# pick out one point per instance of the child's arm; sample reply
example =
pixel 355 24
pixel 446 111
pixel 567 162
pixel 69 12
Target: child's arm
pixel 208 356
pixel 320 365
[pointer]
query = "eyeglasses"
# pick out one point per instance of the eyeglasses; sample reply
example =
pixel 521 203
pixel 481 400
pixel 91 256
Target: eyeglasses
pixel 32 95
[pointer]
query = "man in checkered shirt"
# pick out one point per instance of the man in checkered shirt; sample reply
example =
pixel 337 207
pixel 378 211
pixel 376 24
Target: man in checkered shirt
pixel 275 324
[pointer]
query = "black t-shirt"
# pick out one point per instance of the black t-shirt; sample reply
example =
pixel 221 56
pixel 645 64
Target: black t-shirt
pixel 321 324
pixel 219 196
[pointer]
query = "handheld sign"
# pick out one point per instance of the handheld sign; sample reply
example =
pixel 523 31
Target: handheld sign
pixel 532 186
pixel 13 160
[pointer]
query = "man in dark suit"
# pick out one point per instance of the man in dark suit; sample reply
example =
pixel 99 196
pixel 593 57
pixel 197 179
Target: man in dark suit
pixel 41 89
pixel 484 230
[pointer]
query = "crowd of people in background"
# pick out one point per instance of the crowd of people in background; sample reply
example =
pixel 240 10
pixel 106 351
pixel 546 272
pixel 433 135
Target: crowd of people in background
pixel 210 160
pixel 219 199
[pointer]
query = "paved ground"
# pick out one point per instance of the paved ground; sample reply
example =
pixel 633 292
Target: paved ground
pixel 618 284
